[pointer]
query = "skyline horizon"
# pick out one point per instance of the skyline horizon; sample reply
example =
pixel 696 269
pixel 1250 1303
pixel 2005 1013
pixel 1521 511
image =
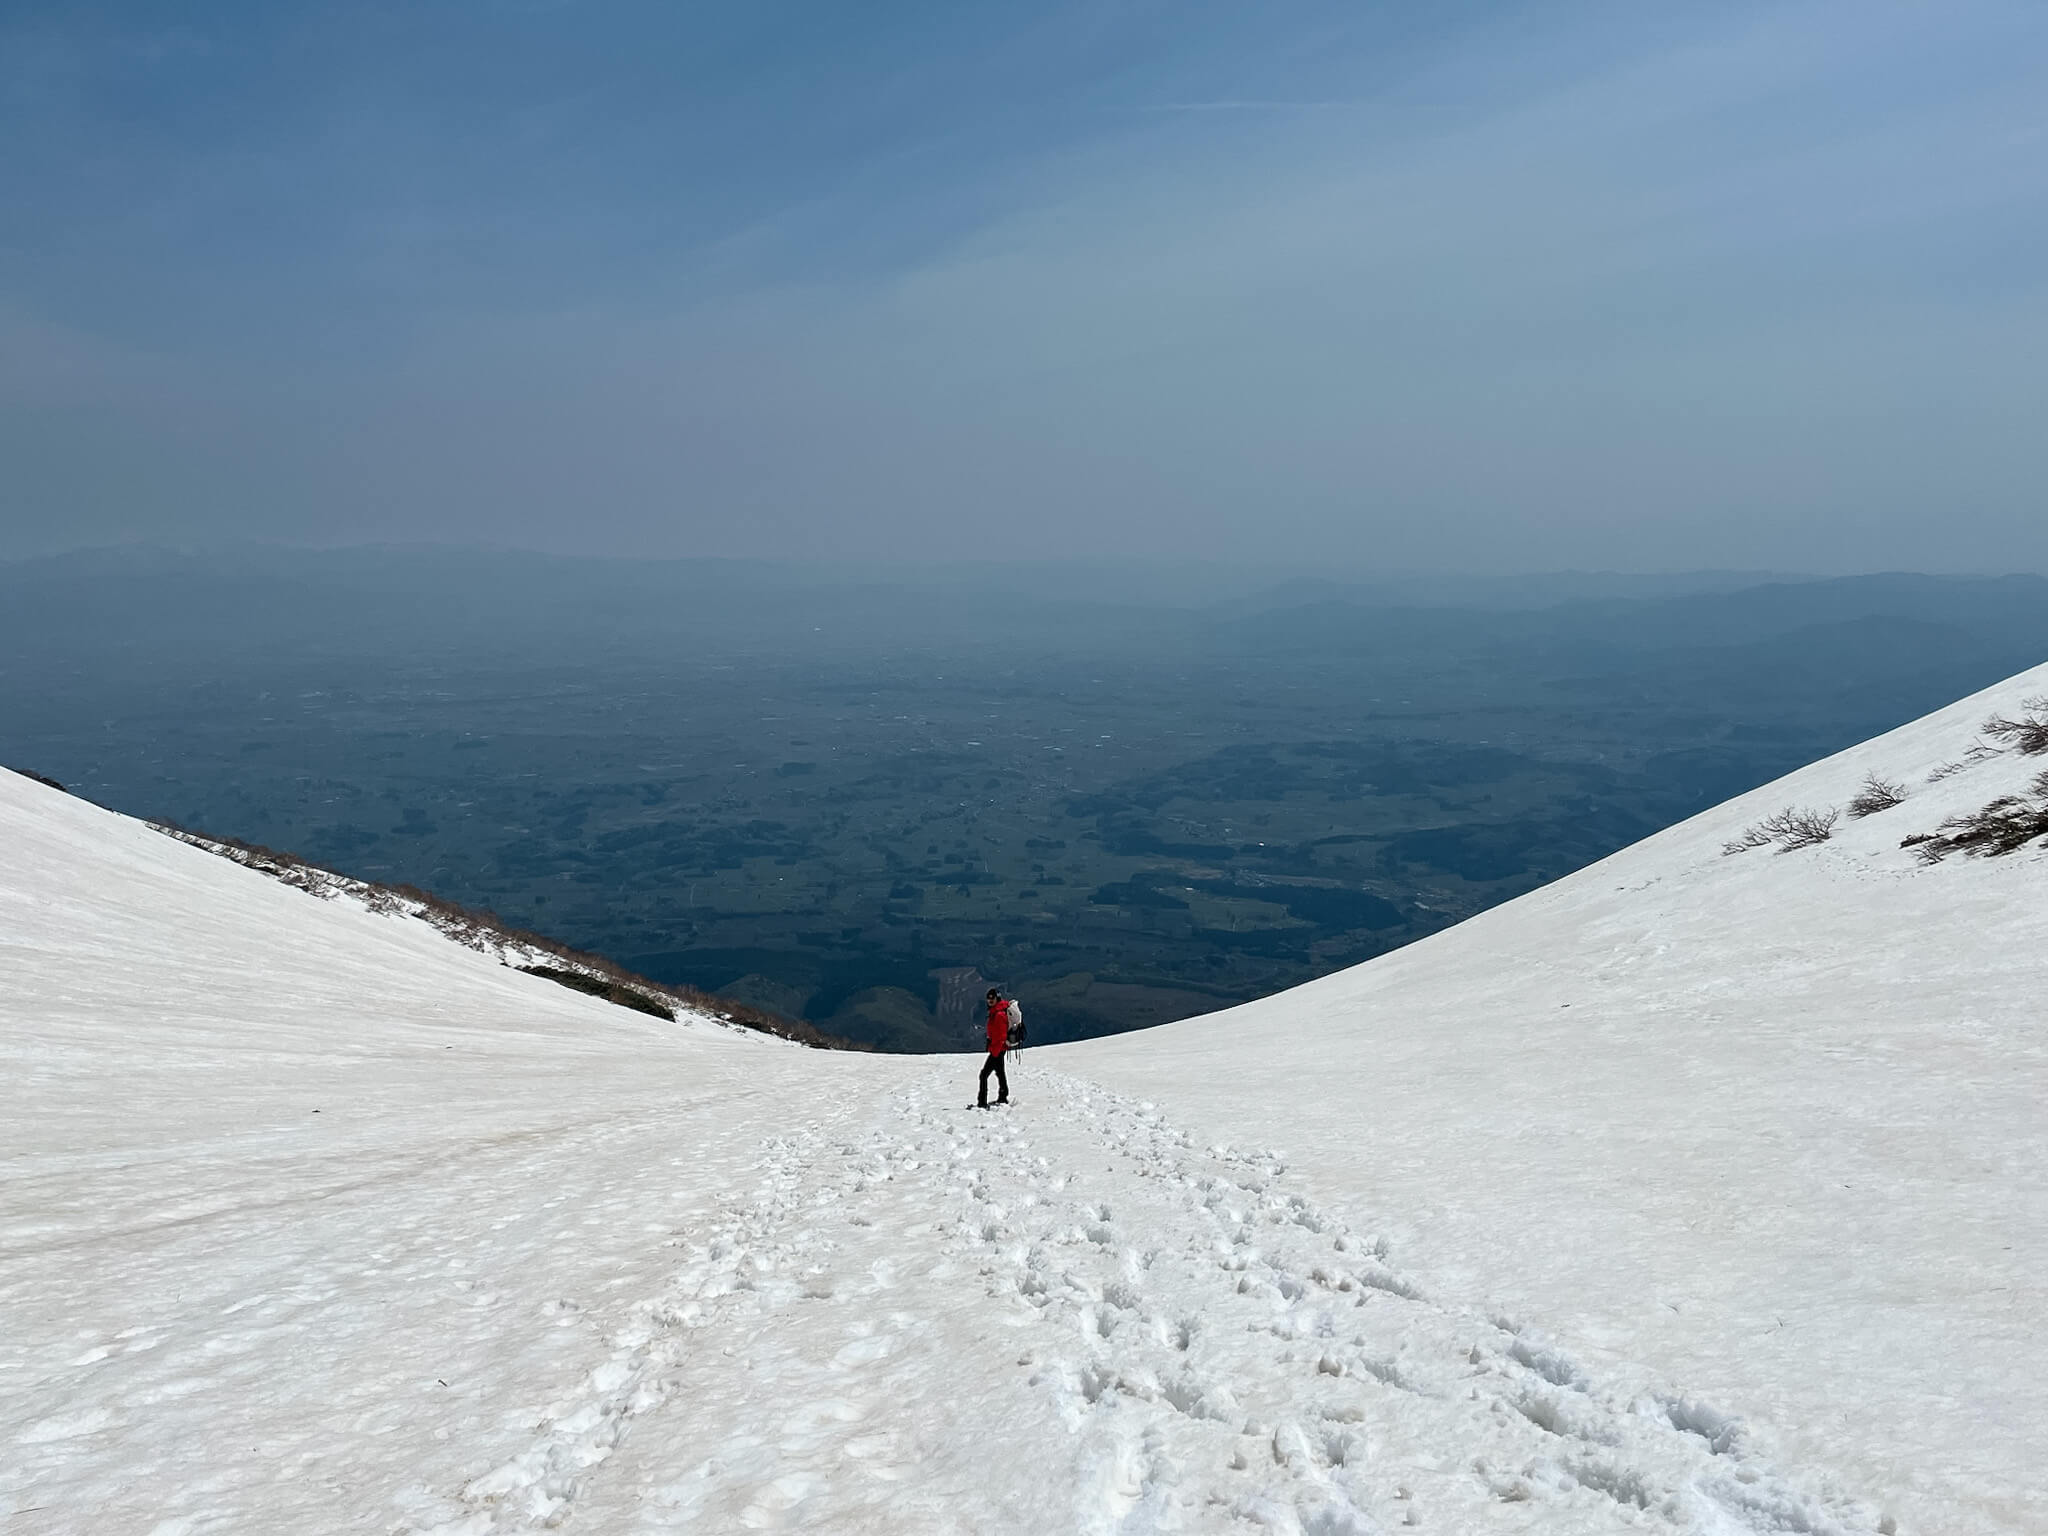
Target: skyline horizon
pixel 1299 568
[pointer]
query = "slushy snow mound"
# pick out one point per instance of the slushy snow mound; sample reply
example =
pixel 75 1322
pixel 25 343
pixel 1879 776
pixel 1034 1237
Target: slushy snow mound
pixel 1698 1192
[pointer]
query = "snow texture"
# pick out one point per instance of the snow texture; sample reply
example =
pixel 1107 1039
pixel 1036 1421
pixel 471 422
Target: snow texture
pixel 1698 1192
pixel 1772 1122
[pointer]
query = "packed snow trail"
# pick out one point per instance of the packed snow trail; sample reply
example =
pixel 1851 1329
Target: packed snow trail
pixel 892 1315
pixel 1125 1330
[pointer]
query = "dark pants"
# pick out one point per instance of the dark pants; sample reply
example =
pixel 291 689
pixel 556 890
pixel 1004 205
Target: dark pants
pixel 994 1064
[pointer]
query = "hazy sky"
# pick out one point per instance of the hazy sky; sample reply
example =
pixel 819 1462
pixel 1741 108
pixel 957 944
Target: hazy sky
pixel 1630 285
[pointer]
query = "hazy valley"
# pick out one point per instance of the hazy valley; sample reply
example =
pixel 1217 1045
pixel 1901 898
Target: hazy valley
pixel 1132 797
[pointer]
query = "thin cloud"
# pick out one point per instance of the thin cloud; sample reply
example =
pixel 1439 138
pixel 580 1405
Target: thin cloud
pixel 1741 287
pixel 1254 106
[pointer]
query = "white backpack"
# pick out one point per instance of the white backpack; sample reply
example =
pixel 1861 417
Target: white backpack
pixel 1016 1022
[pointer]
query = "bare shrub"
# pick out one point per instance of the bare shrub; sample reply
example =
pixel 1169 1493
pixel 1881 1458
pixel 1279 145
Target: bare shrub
pixel 2010 822
pixel 1793 827
pixel 2006 825
pixel 2028 734
pixel 1876 795
pixel 1800 828
pixel 1752 837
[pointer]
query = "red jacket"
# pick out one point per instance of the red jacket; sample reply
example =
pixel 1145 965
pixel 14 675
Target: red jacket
pixel 998 1027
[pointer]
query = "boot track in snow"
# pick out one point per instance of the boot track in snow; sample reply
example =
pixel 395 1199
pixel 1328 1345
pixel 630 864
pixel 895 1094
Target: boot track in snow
pixel 1201 1346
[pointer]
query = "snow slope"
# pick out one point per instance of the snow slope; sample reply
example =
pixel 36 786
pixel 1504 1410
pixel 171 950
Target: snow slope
pixel 311 1220
pixel 1777 1122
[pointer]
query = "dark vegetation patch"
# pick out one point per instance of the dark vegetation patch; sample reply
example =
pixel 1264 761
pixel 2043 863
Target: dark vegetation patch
pixel 1136 893
pixel 1335 907
pixel 2006 825
pixel 40 779
pixel 1481 854
pixel 610 991
pixel 1271 943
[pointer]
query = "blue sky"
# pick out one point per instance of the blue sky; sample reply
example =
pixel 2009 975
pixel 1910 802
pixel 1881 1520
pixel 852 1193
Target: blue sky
pixel 1492 286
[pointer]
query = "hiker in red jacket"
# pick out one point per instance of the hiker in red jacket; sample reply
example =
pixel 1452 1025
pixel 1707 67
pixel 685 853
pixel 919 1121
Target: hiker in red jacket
pixel 998 1042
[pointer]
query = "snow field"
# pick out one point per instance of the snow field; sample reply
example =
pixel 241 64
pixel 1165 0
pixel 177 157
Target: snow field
pixel 1693 1193
pixel 1069 1316
pixel 1774 1122
pixel 290 1192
